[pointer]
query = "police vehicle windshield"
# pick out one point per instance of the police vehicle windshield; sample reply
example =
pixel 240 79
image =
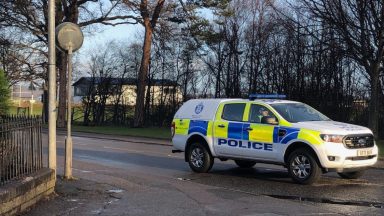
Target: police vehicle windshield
pixel 298 112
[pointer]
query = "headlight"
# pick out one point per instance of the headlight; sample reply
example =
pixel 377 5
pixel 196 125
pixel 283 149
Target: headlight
pixel 332 138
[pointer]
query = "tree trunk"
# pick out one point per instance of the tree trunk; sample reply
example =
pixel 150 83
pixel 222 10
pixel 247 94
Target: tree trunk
pixel 373 119
pixel 147 102
pixel 139 109
pixel 62 89
pixel 45 104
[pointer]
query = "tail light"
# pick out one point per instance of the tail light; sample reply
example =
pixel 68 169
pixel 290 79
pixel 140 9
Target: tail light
pixel 173 128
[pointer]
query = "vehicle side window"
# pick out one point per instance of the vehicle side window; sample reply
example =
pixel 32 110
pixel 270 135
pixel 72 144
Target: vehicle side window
pixel 257 112
pixel 233 112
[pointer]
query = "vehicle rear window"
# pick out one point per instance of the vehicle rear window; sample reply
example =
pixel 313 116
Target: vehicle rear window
pixel 233 112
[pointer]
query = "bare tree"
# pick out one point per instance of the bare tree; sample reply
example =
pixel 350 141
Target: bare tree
pixel 360 26
pixel 149 15
pixel 31 17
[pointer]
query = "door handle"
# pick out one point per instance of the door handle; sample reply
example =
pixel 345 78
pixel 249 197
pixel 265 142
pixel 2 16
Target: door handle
pixel 282 133
pixel 248 129
pixel 221 126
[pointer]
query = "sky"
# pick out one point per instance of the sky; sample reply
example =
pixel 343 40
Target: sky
pixel 104 34
pixel 124 33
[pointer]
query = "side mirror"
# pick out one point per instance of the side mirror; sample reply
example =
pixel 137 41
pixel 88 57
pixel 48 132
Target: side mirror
pixel 269 120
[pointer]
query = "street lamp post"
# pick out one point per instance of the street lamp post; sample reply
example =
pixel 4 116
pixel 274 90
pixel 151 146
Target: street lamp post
pixel 68 140
pixel 70 39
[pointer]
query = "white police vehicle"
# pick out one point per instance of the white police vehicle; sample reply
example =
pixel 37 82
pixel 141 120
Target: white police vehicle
pixel 274 131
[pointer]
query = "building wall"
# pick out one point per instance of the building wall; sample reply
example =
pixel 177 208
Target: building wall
pixel 129 95
pixel 21 95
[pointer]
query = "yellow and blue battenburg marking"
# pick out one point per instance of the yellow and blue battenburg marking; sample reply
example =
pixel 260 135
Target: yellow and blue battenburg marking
pixel 290 134
pixel 237 131
pixel 198 126
pixel 246 133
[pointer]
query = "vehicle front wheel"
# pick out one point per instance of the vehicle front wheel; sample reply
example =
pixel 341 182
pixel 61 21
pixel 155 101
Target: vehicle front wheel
pixel 303 167
pixel 245 163
pixel 199 158
pixel 351 175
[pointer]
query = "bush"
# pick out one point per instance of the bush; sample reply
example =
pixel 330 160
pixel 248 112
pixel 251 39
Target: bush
pixel 4 94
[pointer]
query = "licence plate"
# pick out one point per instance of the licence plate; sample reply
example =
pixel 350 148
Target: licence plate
pixel 364 152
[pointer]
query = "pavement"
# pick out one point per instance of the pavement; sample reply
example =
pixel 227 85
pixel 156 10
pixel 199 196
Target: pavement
pixel 102 194
pixel 87 197
pixel 114 196
pixel 104 197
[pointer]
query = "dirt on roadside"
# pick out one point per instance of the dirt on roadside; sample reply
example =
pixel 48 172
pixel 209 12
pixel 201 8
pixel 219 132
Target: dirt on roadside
pixel 76 197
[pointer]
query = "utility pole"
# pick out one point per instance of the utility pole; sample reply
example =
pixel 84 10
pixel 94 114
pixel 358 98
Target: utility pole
pixel 52 87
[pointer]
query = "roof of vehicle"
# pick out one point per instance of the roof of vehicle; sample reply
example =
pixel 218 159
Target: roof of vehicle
pixel 267 101
pixel 206 108
pixel 275 101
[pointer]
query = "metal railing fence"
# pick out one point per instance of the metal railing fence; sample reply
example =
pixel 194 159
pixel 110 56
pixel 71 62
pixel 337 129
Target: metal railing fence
pixel 21 151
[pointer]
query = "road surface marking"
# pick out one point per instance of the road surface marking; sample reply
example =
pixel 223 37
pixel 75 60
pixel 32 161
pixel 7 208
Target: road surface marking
pixel 123 149
pixel 83 171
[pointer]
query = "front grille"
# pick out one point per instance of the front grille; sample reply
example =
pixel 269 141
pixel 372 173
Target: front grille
pixel 358 141
pixel 360 158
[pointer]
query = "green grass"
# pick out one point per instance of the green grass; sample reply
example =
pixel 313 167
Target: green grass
pixel 78 114
pixel 380 144
pixel 37 110
pixel 153 132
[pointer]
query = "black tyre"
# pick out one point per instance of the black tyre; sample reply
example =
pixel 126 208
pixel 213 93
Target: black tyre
pixel 303 167
pixel 245 163
pixel 351 175
pixel 199 158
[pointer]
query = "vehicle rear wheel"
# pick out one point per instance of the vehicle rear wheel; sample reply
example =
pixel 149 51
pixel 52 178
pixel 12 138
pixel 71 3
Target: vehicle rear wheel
pixel 199 158
pixel 303 167
pixel 245 163
pixel 351 175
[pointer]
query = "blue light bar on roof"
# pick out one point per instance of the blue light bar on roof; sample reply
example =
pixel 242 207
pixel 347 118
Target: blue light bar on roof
pixel 266 96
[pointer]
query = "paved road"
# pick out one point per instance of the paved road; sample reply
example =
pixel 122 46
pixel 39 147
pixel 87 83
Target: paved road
pixel 162 183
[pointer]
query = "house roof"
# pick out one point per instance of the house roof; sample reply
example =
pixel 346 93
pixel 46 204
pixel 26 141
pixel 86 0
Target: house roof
pixel 123 81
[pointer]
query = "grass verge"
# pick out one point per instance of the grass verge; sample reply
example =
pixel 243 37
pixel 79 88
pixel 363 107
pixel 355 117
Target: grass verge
pixel 152 132
pixel 36 110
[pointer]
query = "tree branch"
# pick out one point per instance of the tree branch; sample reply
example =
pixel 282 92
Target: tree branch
pixel 104 20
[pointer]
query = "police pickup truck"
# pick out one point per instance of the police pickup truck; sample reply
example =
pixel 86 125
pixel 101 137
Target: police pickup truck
pixel 274 131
